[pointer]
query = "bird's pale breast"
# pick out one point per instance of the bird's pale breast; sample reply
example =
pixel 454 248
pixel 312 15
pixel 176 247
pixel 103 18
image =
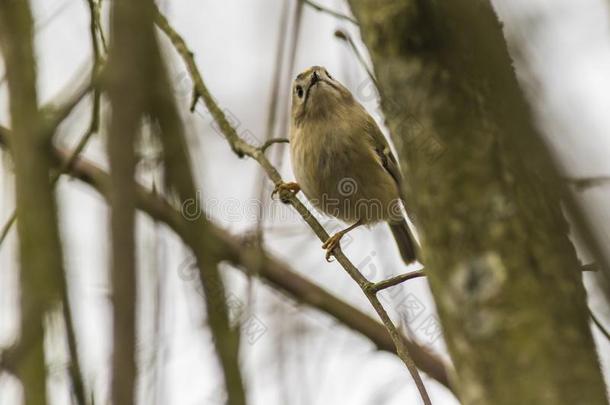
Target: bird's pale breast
pixel 340 173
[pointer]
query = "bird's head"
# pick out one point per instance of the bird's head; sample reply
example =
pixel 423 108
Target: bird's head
pixel 316 94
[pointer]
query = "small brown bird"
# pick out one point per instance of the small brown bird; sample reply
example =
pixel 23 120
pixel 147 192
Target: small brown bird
pixel 342 161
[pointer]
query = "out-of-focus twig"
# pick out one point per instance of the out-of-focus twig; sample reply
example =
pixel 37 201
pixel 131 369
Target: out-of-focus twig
pixel 51 125
pixel 40 252
pixel 584 183
pixel 248 259
pixel 75 367
pixel 127 83
pixel 276 77
pixel 270 129
pixel 180 176
pixel 242 148
pixel 56 112
pixel 326 10
pixel 344 36
pixel 599 325
pixel 7 227
pixel 278 157
pixel 96 28
pixel 96 33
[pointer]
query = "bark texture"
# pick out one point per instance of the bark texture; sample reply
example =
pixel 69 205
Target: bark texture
pixel 503 272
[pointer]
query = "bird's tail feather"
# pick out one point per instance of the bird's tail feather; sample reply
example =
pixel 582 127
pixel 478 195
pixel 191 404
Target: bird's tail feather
pixel 405 241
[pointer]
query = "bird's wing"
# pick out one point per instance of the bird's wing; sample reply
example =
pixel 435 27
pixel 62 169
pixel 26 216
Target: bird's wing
pixel 386 157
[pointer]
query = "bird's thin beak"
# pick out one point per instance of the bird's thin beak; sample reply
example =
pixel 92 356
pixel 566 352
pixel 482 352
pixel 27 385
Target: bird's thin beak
pixel 314 78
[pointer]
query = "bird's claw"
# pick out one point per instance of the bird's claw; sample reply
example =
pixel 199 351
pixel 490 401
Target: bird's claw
pixel 330 245
pixel 291 187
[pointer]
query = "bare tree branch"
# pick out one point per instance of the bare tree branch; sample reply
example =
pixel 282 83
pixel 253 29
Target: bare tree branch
pixel 128 82
pixel 248 259
pixel 242 148
pixel 326 10
pixel 584 183
pixel 345 36
pixel 273 141
pixel 50 126
pixel 599 325
pixel 41 263
pixel 75 367
pixel 57 112
pixel 14 358
pixel 391 282
pixel 180 176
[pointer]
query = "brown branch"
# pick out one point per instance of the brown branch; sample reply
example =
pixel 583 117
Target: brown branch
pixel 271 123
pixel 391 282
pixel 75 367
pixel 345 36
pixel 272 270
pixel 128 88
pixel 284 123
pixel 326 10
pixel 58 116
pixel 40 252
pixel 58 112
pixel 15 356
pixel 7 227
pixel 242 148
pixel 179 173
pixel 584 183
pixel 599 325
pixel 273 141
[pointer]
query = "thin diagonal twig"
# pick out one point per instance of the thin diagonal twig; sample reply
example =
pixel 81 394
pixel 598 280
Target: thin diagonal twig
pixel 599 325
pixel 326 10
pixel 344 36
pixel 282 130
pixel 244 257
pixel 242 148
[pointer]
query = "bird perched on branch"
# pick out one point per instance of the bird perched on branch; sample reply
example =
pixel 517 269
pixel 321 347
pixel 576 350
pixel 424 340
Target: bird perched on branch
pixel 342 161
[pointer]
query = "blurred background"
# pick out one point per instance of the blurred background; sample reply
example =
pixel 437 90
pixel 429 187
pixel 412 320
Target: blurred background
pixel 248 53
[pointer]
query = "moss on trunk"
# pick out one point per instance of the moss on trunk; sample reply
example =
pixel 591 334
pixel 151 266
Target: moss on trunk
pixel 503 272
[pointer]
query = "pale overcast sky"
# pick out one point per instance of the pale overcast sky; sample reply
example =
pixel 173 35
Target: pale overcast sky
pixel 300 354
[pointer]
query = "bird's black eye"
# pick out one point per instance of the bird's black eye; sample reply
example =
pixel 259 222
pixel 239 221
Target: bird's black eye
pixel 328 74
pixel 299 91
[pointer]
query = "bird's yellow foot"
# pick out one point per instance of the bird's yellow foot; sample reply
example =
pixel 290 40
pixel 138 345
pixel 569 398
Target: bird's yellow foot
pixel 332 243
pixel 291 187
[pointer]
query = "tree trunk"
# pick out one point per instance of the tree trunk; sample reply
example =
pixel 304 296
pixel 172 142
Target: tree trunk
pixel 502 270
